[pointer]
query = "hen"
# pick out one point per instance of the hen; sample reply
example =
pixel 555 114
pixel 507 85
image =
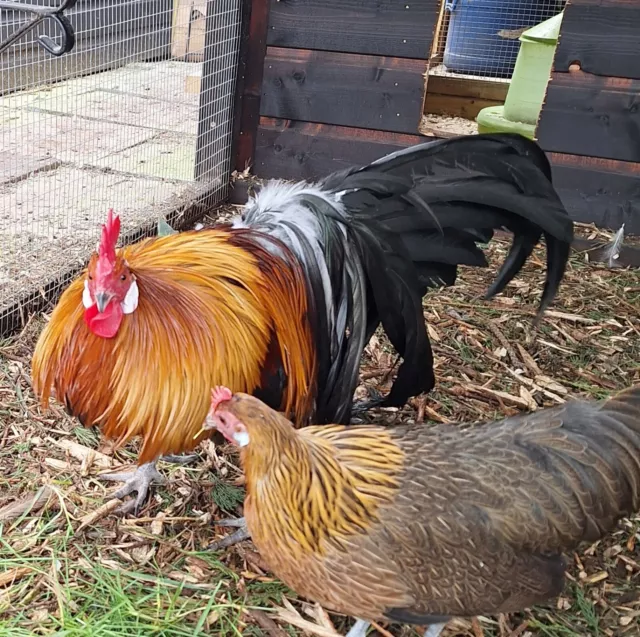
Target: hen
pixel 419 524
pixel 282 303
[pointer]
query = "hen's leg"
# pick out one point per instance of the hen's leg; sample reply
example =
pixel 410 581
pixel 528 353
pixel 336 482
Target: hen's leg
pixel 359 629
pixel 237 536
pixel 434 630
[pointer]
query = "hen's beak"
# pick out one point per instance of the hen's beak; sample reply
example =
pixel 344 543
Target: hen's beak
pixel 208 425
pixel 102 300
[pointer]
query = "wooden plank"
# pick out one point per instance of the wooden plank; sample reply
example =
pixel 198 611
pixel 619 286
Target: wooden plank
pixel 397 28
pixel 180 28
pixel 455 105
pixel 440 36
pixel 599 191
pixel 253 47
pixel 585 114
pixel 302 150
pixel 602 37
pixel 188 30
pixel 629 256
pixel 467 87
pixel 192 84
pixel 197 31
pixel 343 89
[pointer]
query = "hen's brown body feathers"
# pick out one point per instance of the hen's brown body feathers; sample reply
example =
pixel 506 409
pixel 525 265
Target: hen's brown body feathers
pixel 416 524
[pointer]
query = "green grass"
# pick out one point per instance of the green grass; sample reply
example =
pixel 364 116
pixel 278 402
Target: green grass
pixel 69 590
pixel 126 578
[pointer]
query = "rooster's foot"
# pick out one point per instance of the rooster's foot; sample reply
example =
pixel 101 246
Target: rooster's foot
pixel 139 481
pixel 237 536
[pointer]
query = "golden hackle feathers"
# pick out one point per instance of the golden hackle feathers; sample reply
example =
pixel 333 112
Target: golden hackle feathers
pixel 210 302
pixel 313 485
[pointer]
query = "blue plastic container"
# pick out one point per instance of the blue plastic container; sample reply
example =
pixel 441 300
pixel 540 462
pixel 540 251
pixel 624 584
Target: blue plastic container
pixel 473 43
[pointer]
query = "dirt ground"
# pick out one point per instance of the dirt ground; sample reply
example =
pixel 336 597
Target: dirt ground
pixel 69 566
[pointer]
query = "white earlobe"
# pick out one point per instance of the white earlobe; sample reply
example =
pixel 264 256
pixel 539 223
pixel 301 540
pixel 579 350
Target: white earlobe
pixel 241 438
pixel 130 302
pixel 86 296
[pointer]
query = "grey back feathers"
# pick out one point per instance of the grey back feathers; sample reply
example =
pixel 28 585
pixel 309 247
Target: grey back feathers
pixel 314 225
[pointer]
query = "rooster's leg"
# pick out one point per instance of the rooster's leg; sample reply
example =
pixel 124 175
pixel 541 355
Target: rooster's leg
pixel 375 400
pixel 139 481
pixel 237 536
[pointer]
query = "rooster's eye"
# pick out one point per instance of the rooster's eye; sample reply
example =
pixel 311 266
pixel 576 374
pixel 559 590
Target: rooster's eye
pixel 90 278
pixel 123 277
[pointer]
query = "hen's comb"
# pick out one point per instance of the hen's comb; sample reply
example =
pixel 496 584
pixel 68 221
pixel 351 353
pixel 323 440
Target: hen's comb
pixel 219 395
pixel 109 238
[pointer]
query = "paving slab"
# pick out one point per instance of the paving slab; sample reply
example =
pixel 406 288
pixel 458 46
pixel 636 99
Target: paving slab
pixel 45 137
pixel 124 139
pixel 167 156
pixel 52 220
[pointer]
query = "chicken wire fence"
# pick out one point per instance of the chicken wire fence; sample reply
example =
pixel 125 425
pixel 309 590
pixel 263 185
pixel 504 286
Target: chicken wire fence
pixel 480 38
pixel 136 117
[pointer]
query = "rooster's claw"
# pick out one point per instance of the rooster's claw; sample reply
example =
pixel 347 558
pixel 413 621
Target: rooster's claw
pixel 139 481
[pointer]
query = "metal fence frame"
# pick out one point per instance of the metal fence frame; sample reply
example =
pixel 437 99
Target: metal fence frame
pixel 17 314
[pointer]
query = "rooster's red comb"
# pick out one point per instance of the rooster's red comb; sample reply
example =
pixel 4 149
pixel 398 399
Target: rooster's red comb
pixel 219 395
pixel 109 238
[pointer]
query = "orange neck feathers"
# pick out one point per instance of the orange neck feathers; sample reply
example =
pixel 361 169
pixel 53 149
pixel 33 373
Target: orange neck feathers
pixel 207 311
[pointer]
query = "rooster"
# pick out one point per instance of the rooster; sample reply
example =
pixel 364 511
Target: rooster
pixel 282 302
pixel 419 524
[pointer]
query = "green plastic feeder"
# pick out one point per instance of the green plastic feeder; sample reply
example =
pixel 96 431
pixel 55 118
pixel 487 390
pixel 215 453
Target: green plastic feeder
pixel 528 84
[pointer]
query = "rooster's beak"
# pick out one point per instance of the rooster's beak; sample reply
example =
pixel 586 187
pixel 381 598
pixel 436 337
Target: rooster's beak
pixel 102 300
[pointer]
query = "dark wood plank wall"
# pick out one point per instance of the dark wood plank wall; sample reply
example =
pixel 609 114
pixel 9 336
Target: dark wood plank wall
pixel 342 83
pixel 303 150
pixel 590 122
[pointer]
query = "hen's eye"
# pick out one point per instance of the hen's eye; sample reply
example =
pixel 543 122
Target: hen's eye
pixel 123 277
pixel 90 278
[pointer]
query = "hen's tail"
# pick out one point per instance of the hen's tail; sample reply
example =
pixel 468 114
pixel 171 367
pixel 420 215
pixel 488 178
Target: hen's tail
pixel 595 454
pixel 372 240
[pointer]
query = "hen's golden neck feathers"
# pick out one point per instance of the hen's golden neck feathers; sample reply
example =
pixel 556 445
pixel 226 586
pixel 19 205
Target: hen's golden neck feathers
pixel 210 304
pixel 317 484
